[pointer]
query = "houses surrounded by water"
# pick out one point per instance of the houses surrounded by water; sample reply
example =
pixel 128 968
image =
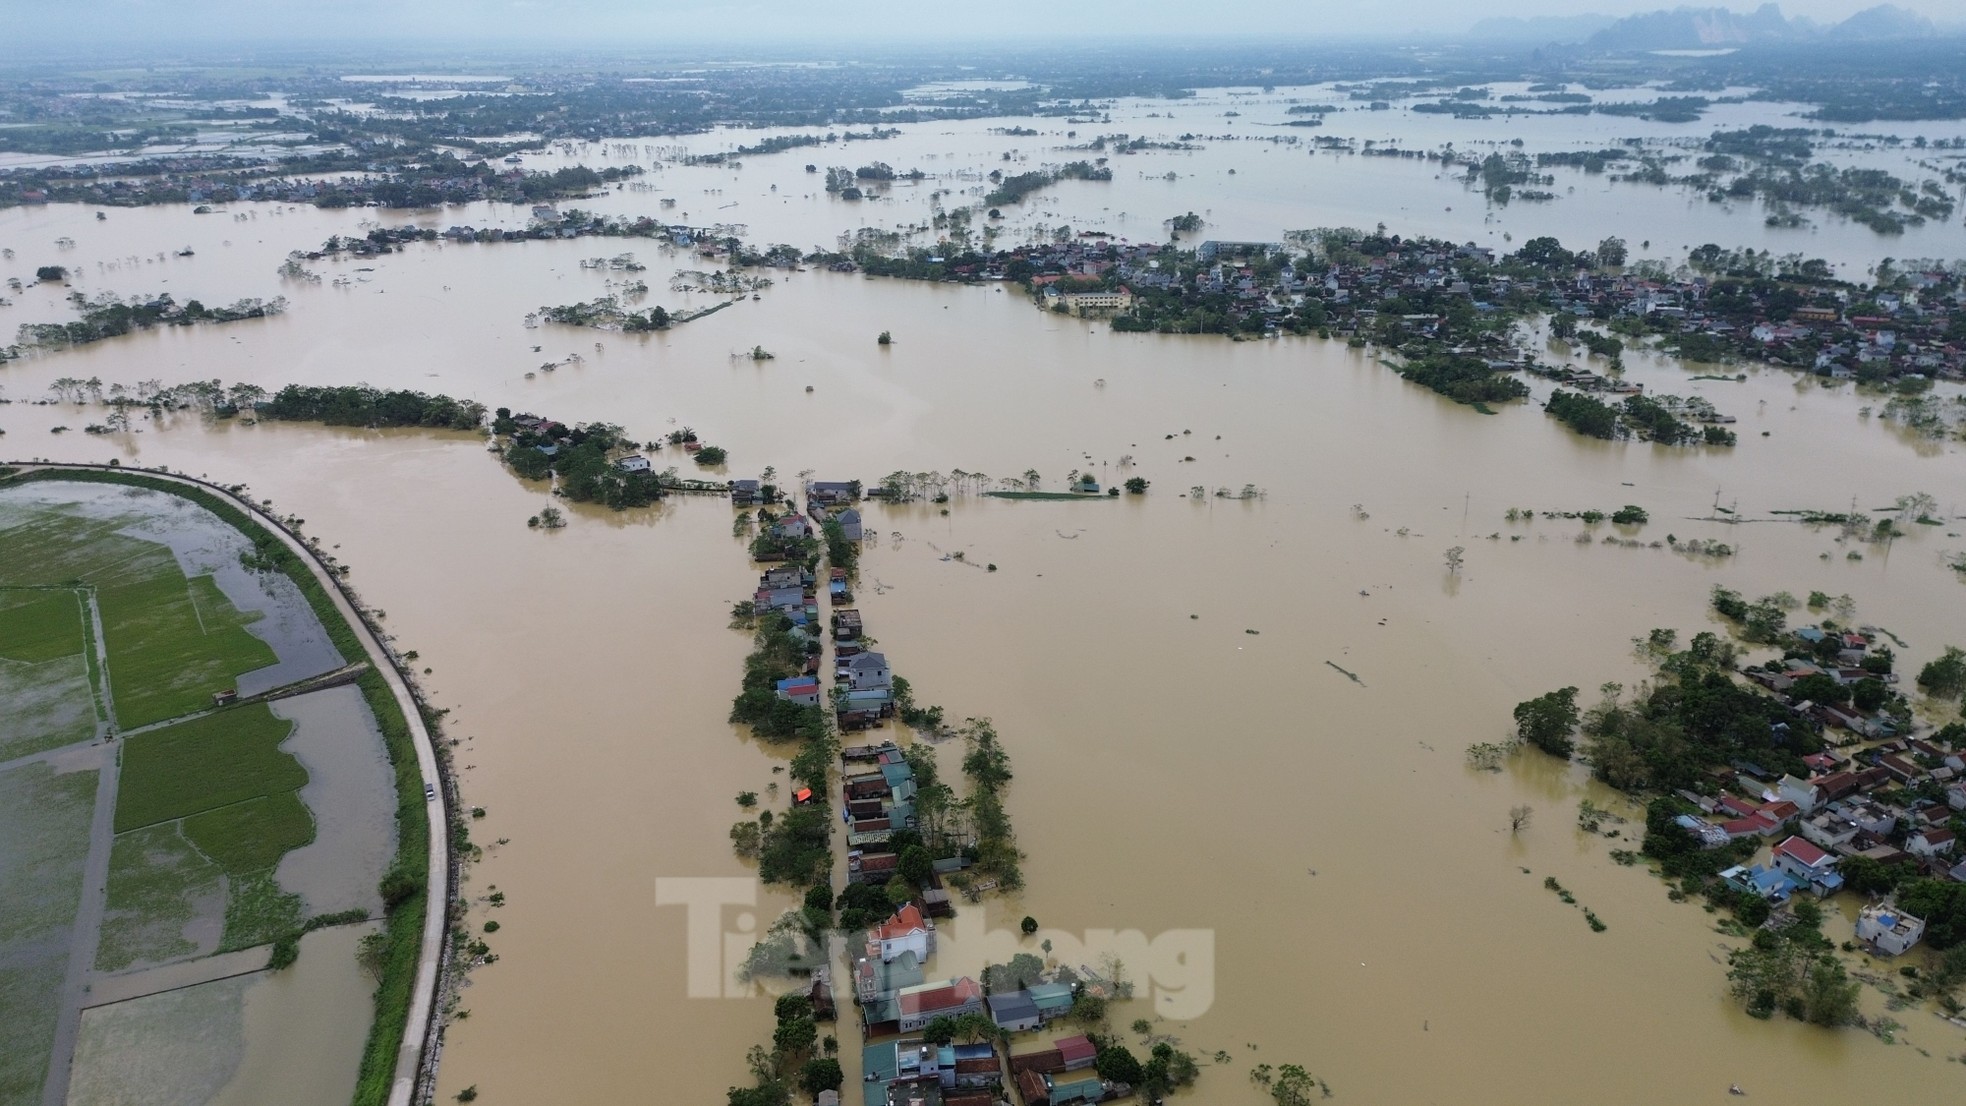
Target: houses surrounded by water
pixel 928 1037
pixel 1878 802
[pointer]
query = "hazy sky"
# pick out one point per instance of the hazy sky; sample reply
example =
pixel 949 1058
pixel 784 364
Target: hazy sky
pixel 423 24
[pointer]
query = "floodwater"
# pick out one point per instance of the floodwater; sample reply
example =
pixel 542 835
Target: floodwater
pixel 205 546
pixel 293 1036
pixel 305 1025
pixel 351 793
pixel 1370 916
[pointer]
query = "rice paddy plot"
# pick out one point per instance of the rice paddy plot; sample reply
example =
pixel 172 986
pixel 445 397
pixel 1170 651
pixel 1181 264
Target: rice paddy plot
pixel 172 641
pixel 204 764
pixel 166 900
pixel 231 792
pixel 178 1048
pixel 44 671
pixel 44 837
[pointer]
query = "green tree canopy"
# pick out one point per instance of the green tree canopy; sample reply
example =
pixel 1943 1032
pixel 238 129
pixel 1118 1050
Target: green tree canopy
pixel 1548 721
pixel 1945 677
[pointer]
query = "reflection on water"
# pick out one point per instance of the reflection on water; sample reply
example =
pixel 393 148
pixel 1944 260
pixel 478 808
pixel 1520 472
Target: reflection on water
pixel 304 1027
pixel 351 794
pixel 1172 771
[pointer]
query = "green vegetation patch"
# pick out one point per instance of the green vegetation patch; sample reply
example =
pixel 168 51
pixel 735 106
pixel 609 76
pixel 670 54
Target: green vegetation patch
pixel 253 835
pixel 172 643
pixel 404 890
pixel 44 674
pixel 44 837
pixel 204 764
pixel 258 912
pixel 159 885
pixel 40 625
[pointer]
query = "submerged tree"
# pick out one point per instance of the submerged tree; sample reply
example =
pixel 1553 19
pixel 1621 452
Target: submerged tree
pixel 1548 721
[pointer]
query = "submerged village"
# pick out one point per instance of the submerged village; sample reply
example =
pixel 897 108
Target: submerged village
pixel 1033 1028
pixel 885 840
pixel 511 338
pixel 1774 784
pixel 1463 320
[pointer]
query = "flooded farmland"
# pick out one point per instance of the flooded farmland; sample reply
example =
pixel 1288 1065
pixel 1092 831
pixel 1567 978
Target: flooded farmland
pixel 155 852
pixel 1371 913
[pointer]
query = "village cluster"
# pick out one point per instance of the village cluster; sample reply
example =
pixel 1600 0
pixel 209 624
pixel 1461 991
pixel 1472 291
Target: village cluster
pixel 1879 798
pixel 928 1041
pixel 1383 287
pixel 196 179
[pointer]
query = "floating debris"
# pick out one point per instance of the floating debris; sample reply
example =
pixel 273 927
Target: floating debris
pixel 1352 676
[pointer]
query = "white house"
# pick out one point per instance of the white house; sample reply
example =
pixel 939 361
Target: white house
pixel 865 672
pixel 1931 841
pixel 1829 829
pixel 1808 864
pixel 803 690
pixel 634 463
pixel 906 932
pixel 1803 793
pixel 1888 930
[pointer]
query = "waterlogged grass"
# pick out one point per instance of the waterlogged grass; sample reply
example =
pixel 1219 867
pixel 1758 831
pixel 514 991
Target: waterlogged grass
pixel 204 764
pixel 39 625
pixel 44 674
pixel 29 992
pixel 48 705
pixel 258 912
pixel 404 920
pixel 44 837
pixel 172 641
pixel 176 1048
pixel 253 835
pixel 159 885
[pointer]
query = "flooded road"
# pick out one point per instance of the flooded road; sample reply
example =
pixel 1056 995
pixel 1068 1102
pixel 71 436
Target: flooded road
pixel 1172 772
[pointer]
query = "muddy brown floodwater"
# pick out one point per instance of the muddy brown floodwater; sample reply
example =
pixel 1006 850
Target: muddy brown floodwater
pixel 1371 916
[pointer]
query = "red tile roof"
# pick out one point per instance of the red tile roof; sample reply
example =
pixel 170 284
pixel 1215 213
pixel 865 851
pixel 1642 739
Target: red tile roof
pixel 1802 852
pixel 1048 1060
pixel 1736 806
pixel 958 993
pixel 1075 1048
pixel 906 920
pixel 1741 827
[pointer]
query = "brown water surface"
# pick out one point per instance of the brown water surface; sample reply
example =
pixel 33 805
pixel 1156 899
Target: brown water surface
pixel 1371 916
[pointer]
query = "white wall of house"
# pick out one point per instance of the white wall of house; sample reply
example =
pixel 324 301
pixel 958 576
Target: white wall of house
pixel 917 943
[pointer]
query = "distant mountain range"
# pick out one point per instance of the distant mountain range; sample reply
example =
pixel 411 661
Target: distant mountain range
pixel 1541 28
pixel 1706 28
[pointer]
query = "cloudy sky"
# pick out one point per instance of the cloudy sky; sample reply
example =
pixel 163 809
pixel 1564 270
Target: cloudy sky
pixel 428 23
